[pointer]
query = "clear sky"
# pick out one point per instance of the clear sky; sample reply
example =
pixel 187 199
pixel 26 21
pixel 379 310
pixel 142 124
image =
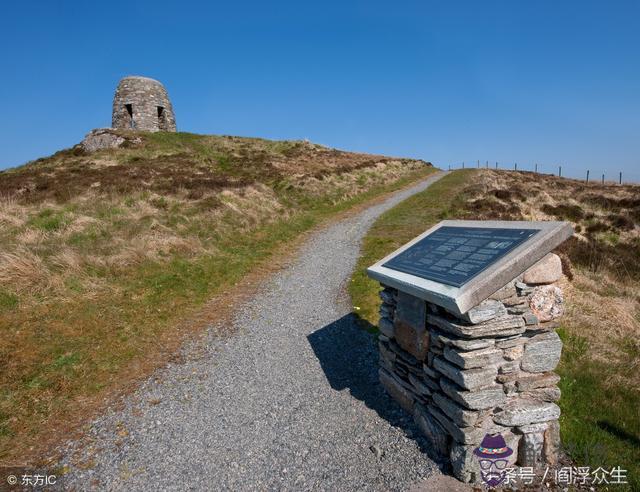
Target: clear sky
pixel 553 82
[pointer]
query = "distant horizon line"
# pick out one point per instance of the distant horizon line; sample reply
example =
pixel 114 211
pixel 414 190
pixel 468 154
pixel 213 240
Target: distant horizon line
pixel 458 164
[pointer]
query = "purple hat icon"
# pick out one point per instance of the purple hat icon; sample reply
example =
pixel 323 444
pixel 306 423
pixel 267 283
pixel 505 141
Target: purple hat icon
pixel 493 447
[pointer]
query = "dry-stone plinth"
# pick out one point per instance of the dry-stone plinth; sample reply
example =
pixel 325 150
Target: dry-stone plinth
pixel 468 371
pixel 141 103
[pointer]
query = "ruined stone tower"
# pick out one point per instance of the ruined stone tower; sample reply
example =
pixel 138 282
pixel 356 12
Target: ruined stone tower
pixel 141 103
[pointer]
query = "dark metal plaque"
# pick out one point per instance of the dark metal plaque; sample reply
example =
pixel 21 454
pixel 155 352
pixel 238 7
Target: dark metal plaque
pixel 454 255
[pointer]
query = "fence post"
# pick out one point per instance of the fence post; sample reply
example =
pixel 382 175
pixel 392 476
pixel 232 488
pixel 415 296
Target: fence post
pixel 559 171
pixel 496 164
pixel 478 163
pixel 536 167
pixel 462 164
pixel 587 176
pixel 603 179
pixel 515 166
pixel 620 177
pixel 487 164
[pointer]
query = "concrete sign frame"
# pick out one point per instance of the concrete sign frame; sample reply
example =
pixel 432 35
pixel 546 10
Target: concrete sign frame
pixel 459 300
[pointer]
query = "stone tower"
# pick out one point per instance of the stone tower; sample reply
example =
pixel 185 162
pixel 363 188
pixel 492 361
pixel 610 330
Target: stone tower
pixel 141 103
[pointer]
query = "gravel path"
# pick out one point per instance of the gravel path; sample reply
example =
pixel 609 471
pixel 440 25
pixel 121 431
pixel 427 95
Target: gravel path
pixel 290 401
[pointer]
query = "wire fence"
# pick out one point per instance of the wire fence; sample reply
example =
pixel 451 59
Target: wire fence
pixel 556 170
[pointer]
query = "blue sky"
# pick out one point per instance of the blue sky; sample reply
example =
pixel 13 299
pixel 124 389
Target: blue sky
pixel 547 82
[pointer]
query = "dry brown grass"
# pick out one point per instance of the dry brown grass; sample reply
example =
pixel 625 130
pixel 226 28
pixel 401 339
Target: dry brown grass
pixel 603 257
pixel 23 271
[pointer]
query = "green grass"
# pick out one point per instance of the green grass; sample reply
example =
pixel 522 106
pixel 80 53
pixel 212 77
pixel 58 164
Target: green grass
pixel 397 226
pixel 7 300
pixel 600 421
pixel 48 220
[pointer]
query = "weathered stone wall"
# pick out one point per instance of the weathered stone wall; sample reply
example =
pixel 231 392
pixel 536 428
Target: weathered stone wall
pixel 141 103
pixel 489 371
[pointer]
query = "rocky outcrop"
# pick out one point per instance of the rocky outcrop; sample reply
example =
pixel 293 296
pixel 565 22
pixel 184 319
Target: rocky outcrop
pixel 107 138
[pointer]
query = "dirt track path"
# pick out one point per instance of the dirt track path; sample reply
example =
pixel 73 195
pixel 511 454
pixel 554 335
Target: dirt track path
pixel 290 401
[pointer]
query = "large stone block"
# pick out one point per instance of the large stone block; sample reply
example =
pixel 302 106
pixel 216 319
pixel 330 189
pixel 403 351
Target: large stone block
pixel 546 271
pixel 529 428
pixel 485 311
pixel 530 450
pixel 410 328
pixel 460 415
pixel 403 355
pixel 462 343
pixel 474 400
pixel 551 447
pixel 503 326
pixel 474 358
pixel 386 327
pixel 102 138
pixel 510 341
pixel 509 367
pixel 547 302
pixel 385 353
pixel 507 291
pixel 521 411
pixel 551 393
pixel 412 340
pixel 542 352
pixel 514 353
pixel 469 379
pixel 419 385
pixel 466 465
pixel 397 391
pixel 528 382
pixel 437 436
pixel 463 435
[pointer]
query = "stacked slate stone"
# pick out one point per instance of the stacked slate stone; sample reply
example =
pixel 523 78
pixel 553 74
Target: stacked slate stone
pixel 141 103
pixel 485 372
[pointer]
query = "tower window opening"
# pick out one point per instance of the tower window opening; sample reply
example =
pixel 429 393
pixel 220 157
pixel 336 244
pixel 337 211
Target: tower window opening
pixel 162 118
pixel 129 108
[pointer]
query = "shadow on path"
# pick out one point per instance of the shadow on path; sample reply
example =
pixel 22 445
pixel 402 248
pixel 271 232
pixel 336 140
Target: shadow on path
pixel 348 355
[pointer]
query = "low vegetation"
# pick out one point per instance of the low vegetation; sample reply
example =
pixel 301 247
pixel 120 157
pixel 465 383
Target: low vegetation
pixel 394 228
pixel 102 254
pixel 600 366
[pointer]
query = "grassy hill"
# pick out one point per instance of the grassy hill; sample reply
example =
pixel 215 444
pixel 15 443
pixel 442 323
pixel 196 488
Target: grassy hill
pixel 600 364
pixel 102 254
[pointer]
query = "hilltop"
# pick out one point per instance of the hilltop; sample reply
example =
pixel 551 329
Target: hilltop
pixel 184 164
pixel 103 254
